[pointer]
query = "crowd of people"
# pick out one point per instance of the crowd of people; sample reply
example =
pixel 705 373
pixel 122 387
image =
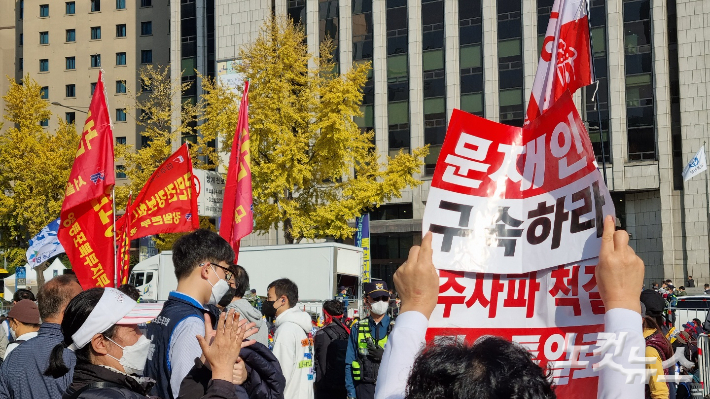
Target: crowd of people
pixel 210 340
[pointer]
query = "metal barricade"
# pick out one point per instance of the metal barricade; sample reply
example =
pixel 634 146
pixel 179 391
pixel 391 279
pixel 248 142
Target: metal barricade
pixel 704 362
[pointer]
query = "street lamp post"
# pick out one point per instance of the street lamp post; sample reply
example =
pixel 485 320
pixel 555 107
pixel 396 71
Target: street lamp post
pixel 68 107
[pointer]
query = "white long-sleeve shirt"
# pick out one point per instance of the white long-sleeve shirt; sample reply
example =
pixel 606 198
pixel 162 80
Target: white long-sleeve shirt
pixel 408 338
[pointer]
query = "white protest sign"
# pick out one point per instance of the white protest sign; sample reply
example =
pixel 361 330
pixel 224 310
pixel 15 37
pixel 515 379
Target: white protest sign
pixel 209 201
pixel 513 200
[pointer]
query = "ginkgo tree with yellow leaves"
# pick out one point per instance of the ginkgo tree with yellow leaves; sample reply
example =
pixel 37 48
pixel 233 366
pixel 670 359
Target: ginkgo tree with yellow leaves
pixel 34 167
pixel 313 169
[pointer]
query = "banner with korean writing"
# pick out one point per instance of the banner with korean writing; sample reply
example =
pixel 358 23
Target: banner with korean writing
pixel 557 314
pixel 168 202
pixel 515 200
pixel 86 230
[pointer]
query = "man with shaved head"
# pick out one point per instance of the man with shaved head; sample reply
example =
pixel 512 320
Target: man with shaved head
pixel 22 374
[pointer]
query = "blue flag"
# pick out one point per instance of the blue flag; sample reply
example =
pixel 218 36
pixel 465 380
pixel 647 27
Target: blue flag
pixel 44 245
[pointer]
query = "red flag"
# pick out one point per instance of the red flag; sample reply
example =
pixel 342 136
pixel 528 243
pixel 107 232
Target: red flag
pixel 566 58
pixel 237 210
pixel 168 202
pixel 123 243
pixel 86 230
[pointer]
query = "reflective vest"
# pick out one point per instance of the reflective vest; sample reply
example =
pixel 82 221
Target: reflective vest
pixel 365 369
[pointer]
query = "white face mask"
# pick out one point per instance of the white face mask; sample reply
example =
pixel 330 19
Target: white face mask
pixel 13 333
pixel 218 289
pixel 379 307
pixel 134 356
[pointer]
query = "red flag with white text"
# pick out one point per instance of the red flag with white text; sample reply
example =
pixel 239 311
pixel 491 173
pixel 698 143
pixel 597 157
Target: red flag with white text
pixel 86 229
pixel 237 211
pixel 168 201
pixel 566 57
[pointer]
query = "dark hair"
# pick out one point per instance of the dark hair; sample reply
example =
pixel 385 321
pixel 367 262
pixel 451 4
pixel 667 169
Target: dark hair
pixel 76 313
pixel 241 280
pixel 54 295
pixel 491 368
pixel 198 247
pixel 23 293
pixel 681 287
pixel 131 291
pixel 333 307
pixel 284 286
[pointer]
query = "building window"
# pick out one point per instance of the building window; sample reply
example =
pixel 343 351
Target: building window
pixel 44 92
pixel 638 61
pixel 22 9
pixel 146 3
pixel 43 37
pixel 95 5
pixel 93 88
pixel 44 65
pixel 70 90
pixel 296 10
pixel 146 56
pixel 44 123
pixel 120 86
pixel 70 63
pixel 95 33
pixel 70 8
pixel 329 23
pixel 71 35
pixel 121 140
pixel 120 171
pixel 70 117
pixel 44 10
pixel 120 4
pixel 121 30
pixel 22 39
pixel 392 211
pixel 510 63
pixel 362 52
pixel 96 61
pixel 471 56
pixel 21 64
pixel 146 28
pixel 120 58
pixel 120 114
pixel 397 78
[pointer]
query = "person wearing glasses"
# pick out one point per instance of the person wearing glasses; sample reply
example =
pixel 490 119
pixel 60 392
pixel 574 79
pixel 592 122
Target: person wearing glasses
pixel 367 342
pixel 201 261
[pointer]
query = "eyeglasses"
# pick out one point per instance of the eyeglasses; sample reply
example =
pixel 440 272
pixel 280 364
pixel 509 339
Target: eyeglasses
pixel 227 273
pixel 380 299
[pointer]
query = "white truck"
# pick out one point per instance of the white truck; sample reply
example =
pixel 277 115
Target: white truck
pixel 318 270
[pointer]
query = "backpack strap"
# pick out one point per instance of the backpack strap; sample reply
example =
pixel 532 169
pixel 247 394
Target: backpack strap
pixel 98 385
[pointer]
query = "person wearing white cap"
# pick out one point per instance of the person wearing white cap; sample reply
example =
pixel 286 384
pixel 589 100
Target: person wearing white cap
pixel 100 326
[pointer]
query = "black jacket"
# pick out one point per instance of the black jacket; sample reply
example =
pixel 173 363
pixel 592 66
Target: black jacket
pixel 97 382
pixel 264 377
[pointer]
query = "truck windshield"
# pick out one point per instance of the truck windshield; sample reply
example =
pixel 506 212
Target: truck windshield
pixel 138 281
pixel 148 277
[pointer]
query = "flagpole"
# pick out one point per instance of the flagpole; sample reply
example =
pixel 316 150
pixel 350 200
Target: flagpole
pixel 707 203
pixel 115 250
pixel 596 97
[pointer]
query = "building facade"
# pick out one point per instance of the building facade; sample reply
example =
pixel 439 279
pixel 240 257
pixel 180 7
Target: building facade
pixel 63 45
pixel 648 113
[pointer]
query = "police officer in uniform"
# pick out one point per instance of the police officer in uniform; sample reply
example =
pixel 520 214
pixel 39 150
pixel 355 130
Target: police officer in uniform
pixel 367 341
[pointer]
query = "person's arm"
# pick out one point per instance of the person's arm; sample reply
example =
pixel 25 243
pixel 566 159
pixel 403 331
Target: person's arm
pixel 320 349
pixel 659 390
pixel 418 285
pixel 183 350
pixel 284 344
pixel 350 357
pixel 403 346
pixel 619 275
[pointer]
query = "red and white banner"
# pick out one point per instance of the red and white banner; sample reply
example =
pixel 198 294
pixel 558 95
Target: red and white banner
pixel 556 314
pixel 516 200
pixel 566 57
pixel 86 229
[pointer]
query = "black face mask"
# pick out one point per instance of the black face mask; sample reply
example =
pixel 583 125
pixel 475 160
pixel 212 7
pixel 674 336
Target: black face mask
pixel 227 297
pixel 268 309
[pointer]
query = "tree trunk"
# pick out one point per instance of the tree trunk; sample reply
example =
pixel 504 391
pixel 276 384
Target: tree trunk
pixel 40 274
pixel 288 236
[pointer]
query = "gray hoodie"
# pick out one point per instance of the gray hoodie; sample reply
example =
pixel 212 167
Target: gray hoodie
pixel 253 315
